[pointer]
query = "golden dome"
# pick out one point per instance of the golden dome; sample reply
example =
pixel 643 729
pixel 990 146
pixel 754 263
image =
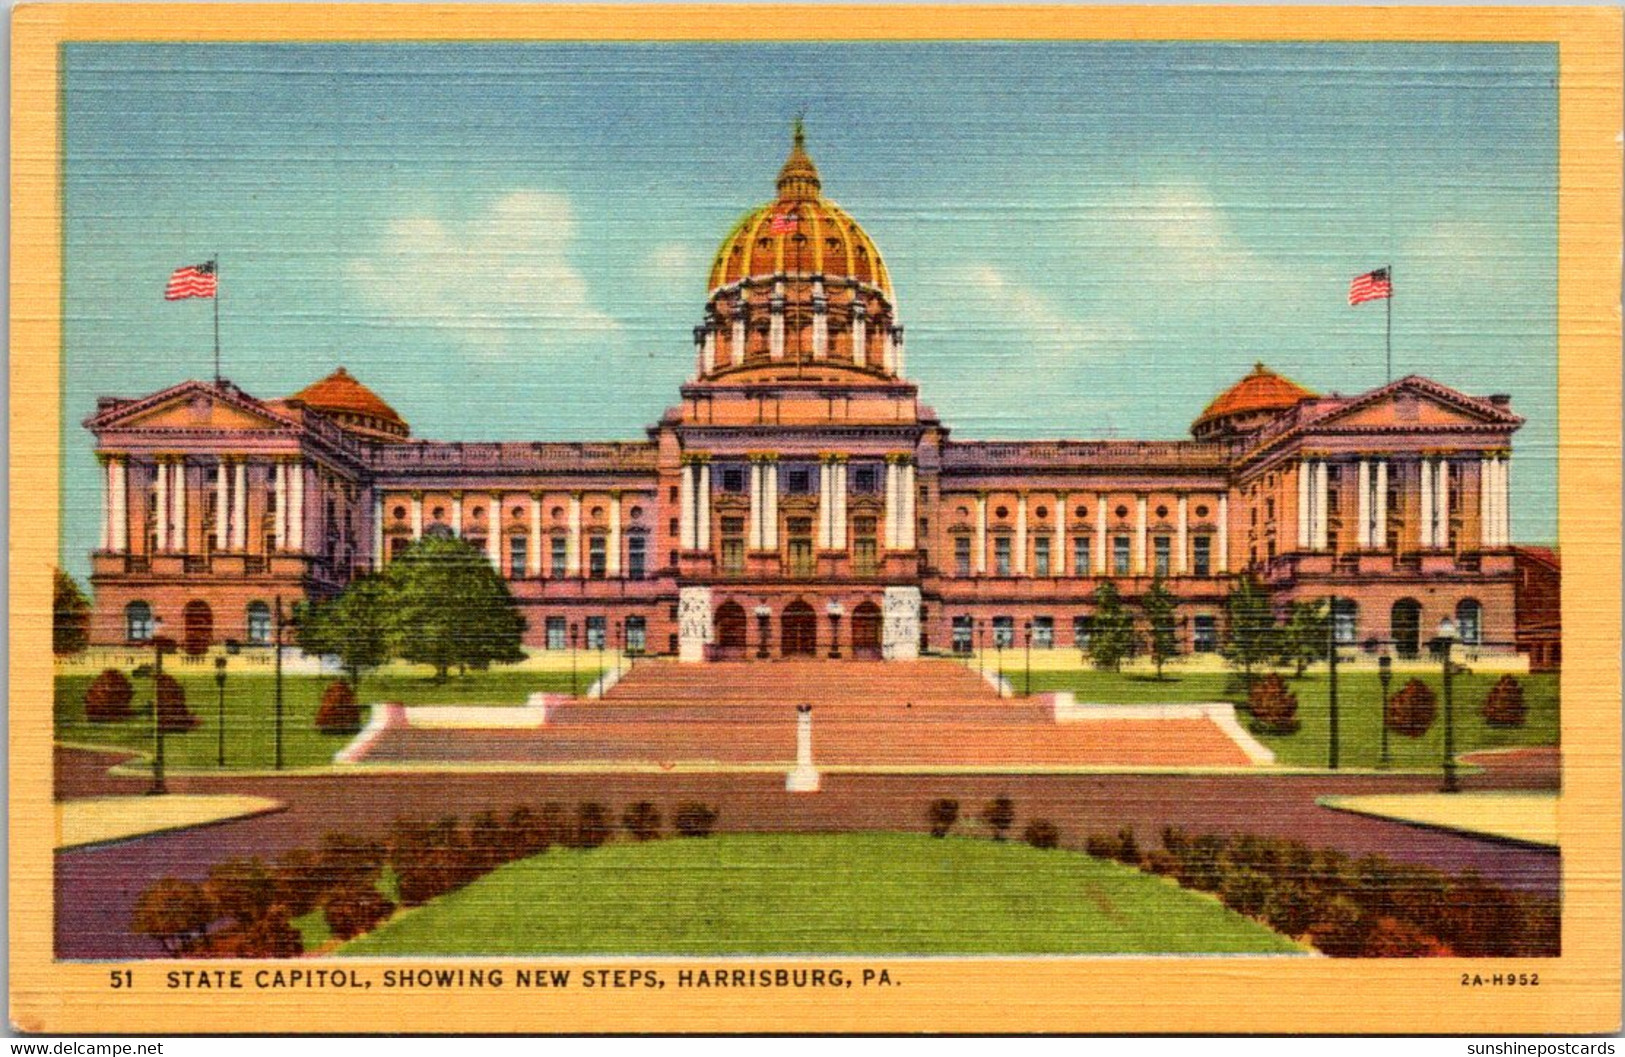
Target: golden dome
pixel 799 233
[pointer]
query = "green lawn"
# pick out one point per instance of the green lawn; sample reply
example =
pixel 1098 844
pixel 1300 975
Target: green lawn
pixel 250 710
pixel 858 893
pixel 1359 710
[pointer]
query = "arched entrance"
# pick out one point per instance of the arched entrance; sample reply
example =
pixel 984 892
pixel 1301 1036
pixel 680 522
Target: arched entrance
pixel 730 631
pixel 866 631
pixel 1405 625
pixel 197 627
pixel 798 630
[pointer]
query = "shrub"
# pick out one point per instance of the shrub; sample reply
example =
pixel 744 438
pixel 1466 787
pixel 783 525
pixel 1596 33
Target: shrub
pixel 593 826
pixel 1128 849
pixel 350 911
pixel 175 913
pixel 1289 908
pixel 428 859
pixel 999 815
pixel 641 820
pixel 1412 709
pixel 527 834
pixel 272 936
pixel 339 713
pixel 486 842
pixel 1100 845
pixel 1392 938
pixel 300 884
pixel 942 813
pixel 1274 708
pixel 694 819
pixel 1042 833
pixel 242 889
pixel 1339 928
pixel 1245 891
pixel 1504 707
pixel 347 860
pixel 108 698
pixel 173 718
pixel 1161 863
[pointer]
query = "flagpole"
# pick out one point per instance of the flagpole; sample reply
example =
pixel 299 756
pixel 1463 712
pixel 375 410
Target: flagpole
pixel 1388 336
pixel 216 262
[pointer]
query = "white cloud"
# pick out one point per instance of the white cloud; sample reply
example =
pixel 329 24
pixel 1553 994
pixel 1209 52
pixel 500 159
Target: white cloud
pixel 490 278
pixel 679 261
pixel 1175 231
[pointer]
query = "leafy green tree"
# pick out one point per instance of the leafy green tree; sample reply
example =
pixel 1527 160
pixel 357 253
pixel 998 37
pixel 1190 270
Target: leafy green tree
pixel 1251 635
pixel 354 626
pixel 447 606
pixel 70 617
pixel 1306 635
pixel 1158 605
pixel 1111 636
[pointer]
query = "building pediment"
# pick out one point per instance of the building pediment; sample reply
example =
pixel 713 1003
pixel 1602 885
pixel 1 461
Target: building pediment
pixel 190 407
pixel 1414 403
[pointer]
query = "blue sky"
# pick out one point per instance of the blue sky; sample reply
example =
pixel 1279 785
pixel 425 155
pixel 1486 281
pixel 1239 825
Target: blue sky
pixel 1091 239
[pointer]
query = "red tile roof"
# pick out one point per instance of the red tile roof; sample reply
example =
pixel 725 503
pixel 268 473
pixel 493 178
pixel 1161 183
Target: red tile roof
pixel 1262 390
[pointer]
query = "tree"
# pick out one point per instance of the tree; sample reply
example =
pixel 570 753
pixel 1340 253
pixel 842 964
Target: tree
pixel 70 617
pixel 1274 707
pixel 999 815
pixel 1306 635
pixel 1505 705
pixel 1250 638
pixel 1158 607
pixel 175 913
pixel 1111 636
pixel 1412 709
pixel 108 698
pixel 173 718
pixel 942 814
pixel 354 626
pixel 447 606
pixel 642 820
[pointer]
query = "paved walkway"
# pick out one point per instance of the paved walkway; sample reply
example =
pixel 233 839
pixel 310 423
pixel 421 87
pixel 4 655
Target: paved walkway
pixel 96 887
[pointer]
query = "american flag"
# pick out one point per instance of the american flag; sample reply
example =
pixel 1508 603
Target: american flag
pixel 194 280
pixel 1372 286
pixel 783 223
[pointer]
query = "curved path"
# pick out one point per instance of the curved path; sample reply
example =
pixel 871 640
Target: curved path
pixel 96 887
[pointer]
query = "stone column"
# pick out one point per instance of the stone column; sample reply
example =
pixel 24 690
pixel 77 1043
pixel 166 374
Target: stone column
pixel 1427 504
pixel 1100 533
pixel 981 533
pixel 685 506
pixel 120 467
pixel 533 544
pixel 708 351
pixel 612 559
pixel 1224 533
pixel 1139 536
pixel 1379 525
pixel 908 527
pixel 296 506
pixel 804 779
pixel 736 350
pixel 107 502
pixel 1058 564
pixel 457 514
pixel 775 332
pixel 162 498
pixel 279 488
pixel 897 351
pixel 887 352
pixel 753 527
pixel 1182 540
pixel 377 530
pixel 572 558
pixel 699 352
pixel 222 505
pixel 837 520
pixel 239 522
pixel 704 504
pixel 826 503
pixel 1305 538
pixel 1365 508
pixel 860 354
pixel 183 537
pixel 889 539
pixel 1323 521
pixel 1021 534
pixel 820 321
pixel 493 534
pixel 417 515
pixel 770 497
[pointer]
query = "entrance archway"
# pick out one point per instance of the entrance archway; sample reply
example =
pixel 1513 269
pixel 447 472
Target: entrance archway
pixel 798 630
pixel 866 631
pixel 197 627
pixel 730 631
pixel 1405 625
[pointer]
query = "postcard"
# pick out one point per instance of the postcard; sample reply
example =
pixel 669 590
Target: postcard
pixel 654 519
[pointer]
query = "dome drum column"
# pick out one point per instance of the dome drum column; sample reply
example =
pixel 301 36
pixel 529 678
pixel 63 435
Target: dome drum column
pixel 736 348
pixel 701 360
pixel 775 308
pixel 860 336
pixel 820 320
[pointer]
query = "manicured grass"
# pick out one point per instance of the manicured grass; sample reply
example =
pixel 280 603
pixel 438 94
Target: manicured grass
pixel 1530 818
pixel 96 820
pixel 857 893
pixel 250 711
pixel 1359 710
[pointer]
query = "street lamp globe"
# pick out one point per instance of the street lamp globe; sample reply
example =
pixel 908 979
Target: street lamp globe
pixel 1448 631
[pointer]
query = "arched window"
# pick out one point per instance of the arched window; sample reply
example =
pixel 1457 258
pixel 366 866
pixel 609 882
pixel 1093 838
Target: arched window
pixel 138 622
pixel 1470 621
pixel 1345 620
pixel 259 624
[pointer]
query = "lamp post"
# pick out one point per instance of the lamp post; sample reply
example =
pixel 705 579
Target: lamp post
pixel 220 709
pixel 981 656
pixel 1331 683
pixel 276 617
pixel 603 633
pixel 835 611
pixel 620 637
pixel 764 616
pixel 575 630
pixel 1385 672
pixel 1447 639
pixel 157 788
pixel 1027 677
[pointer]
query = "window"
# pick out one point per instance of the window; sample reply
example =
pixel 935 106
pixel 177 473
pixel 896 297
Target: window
pixel 597 557
pixel 733 479
pixel 1204 634
pixel 961 556
pixel 1161 555
pixel 1041 556
pixel 799 530
pixel 517 554
pixel 259 624
pixel 597 639
pixel 864 549
pixel 1345 619
pixel 964 629
pixel 1082 624
pixel 637 635
pixel 733 546
pixel 1470 622
pixel 798 481
pixel 864 479
pixel 138 622
pixel 1202 556
pixel 636 558
pixel 1004 632
pixel 561 555
pixel 1043 633
pixel 555 633
pixel 1080 556
pixel 1001 556
pixel 1120 564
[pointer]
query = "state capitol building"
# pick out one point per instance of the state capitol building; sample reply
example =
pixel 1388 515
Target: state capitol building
pixel 799 499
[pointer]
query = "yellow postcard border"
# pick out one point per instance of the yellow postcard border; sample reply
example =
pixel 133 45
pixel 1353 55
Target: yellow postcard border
pixel 1579 992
